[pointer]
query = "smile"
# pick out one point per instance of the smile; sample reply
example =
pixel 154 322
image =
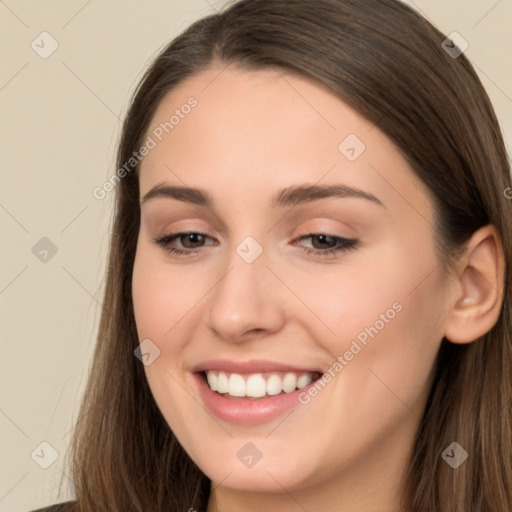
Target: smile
pixel 232 402
pixel 257 385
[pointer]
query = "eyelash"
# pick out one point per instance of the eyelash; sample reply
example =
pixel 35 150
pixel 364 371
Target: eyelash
pixel 346 244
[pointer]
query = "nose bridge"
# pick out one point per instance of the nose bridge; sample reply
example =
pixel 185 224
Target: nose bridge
pixel 242 300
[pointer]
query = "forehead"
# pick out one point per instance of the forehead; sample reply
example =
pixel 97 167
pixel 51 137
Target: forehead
pixel 272 107
pixel 258 130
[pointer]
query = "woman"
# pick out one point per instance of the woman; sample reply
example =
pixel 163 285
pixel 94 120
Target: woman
pixel 308 294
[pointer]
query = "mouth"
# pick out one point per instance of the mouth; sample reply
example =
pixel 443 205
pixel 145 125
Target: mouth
pixel 251 393
pixel 257 385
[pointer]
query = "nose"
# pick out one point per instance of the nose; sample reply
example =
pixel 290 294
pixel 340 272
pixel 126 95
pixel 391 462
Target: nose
pixel 247 301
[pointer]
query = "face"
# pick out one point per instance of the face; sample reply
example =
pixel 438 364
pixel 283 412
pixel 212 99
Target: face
pixel 341 281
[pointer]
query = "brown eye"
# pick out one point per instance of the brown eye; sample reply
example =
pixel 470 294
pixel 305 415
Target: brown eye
pixel 325 241
pixel 191 240
pixel 328 245
pixel 189 243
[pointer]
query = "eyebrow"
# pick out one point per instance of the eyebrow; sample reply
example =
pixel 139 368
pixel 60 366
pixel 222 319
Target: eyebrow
pixel 290 196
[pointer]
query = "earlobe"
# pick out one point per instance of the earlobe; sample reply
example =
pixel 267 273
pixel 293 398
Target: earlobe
pixel 481 272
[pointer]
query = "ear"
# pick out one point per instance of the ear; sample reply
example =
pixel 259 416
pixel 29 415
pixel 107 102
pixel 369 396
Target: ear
pixel 478 288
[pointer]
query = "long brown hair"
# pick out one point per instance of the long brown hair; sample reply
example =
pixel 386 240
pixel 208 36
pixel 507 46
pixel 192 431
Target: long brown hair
pixel 387 62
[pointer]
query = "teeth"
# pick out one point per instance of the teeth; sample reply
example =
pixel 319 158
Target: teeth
pixel 257 385
pixel 274 385
pixel 254 387
pixel 236 385
pixel 304 380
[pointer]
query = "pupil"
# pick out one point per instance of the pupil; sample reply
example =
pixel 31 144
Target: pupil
pixel 323 238
pixel 193 238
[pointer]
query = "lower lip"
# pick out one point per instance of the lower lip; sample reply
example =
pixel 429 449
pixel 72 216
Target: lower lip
pixel 243 411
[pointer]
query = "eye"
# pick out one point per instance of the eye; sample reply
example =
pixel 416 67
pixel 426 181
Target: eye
pixel 326 244
pixel 190 239
pixel 329 244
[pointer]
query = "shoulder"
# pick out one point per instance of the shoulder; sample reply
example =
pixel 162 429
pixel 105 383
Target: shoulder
pixel 59 507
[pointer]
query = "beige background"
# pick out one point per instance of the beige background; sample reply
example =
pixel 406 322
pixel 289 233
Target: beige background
pixel 61 118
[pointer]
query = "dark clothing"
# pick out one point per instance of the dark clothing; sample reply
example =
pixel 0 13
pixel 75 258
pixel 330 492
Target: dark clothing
pixel 53 508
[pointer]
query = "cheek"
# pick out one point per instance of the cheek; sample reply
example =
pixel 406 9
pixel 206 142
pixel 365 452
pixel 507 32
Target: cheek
pixel 352 296
pixel 162 298
pixel 384 315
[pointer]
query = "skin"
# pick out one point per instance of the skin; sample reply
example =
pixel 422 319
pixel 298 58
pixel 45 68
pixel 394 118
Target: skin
pixel 252 134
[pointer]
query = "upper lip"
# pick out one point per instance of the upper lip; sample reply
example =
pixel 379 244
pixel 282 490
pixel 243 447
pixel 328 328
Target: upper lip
pixel 252 366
